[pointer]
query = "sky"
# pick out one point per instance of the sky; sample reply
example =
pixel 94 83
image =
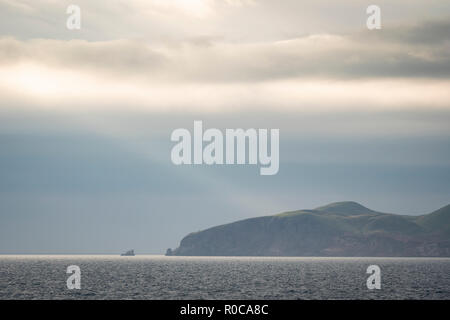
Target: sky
pixel 86 115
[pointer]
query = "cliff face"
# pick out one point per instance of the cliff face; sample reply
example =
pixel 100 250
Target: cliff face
pixel 338 229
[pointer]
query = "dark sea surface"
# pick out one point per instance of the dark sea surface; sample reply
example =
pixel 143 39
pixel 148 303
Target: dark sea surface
pixel 159 277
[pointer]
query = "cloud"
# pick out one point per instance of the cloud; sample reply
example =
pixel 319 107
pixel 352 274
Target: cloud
pixel 425 33
pixel 34 87
pixel 390 53
pixel 16 6
pixel 118 56
pixel 240 3
pixel 211 72
pixel 315 72
pixel 234 20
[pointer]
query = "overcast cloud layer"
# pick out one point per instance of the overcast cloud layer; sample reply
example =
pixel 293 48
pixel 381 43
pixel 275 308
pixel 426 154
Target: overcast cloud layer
pixel 394 52
pixel 172 63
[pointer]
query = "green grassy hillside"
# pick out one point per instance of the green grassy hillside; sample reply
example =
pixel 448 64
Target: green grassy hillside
pixel 337 229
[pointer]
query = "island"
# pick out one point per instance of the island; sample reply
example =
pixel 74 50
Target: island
pixel 339 229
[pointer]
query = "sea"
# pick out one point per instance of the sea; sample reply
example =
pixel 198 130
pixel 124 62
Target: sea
pixel 143 277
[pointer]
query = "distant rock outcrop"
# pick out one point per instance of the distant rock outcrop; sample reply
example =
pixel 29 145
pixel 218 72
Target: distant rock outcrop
pixel 338 229
pixel 128 253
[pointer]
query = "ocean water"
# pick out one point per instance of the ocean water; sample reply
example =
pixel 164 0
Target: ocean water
pixel 159 277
